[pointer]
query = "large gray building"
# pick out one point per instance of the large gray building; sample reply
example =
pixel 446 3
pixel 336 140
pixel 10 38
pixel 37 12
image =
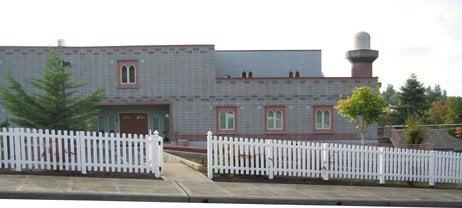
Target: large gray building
pixel 186 90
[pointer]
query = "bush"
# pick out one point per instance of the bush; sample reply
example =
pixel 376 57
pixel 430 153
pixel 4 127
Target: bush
pixel 4 123
pixel 415 131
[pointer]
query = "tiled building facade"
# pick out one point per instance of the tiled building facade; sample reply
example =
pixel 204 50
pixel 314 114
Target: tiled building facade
pixel 186 90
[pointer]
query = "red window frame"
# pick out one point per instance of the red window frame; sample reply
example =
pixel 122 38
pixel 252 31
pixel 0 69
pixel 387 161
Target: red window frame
pixel 283 117
pixel 226 109
pixel 127 63
pixel 323 108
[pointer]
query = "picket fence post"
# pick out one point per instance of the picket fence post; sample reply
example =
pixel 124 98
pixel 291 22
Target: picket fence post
pixel 17 146
pixel 160 151
pixel 431 168
pixel 209 155
pixel 269 158
pixel 324 161
pixel 83 158
pixel 381 165
pixel 155 160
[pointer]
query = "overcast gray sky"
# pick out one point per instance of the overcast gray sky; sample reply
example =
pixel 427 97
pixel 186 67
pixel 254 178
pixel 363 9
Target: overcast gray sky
pixel 424 37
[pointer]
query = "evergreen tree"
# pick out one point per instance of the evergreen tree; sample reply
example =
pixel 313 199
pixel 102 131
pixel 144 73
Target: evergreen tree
pixel 56 106
pixel 390 96
pixel 412 99
pixel 436 94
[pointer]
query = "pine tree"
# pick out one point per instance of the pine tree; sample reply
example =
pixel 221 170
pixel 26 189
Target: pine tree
pixel 436 94
pixel 390 96
pixel 56 106
pixel 412 99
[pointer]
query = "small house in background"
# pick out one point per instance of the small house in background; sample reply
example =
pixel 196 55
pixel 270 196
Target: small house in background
pixel 183 91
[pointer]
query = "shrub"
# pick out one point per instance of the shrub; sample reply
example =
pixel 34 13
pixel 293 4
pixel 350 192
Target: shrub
pixel 4 123
pixel 415 132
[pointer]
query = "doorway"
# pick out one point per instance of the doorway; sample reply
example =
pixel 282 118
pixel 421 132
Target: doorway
pixel 133 123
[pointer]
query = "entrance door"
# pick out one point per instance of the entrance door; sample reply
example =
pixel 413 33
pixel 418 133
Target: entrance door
pixel 133 123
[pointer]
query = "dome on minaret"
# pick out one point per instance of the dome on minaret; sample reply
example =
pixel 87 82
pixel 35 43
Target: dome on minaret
pixel 362 40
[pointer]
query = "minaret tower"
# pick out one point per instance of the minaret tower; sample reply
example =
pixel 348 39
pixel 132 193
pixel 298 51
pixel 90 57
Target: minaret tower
pixel 361 57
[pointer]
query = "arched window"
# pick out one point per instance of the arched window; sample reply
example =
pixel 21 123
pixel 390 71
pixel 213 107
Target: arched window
pixel 127 73
pixel 131 75
pixel 291 74
pixel 274 120
pixel 227 119
pixel 244 75
pixel 250 74
pixel 124 74
pixel 323 119
pixel 297 74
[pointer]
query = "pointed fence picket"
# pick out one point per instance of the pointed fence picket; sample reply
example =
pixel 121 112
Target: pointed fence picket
pixel 243 156
pixel 27 149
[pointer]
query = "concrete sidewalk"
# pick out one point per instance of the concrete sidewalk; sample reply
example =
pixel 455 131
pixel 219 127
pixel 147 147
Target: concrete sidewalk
pixel 182 184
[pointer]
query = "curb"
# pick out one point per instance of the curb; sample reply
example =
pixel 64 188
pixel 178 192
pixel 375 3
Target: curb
pixel 90 196
pixel 200 199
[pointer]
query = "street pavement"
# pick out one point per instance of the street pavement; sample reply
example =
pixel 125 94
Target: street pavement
pixel 183 184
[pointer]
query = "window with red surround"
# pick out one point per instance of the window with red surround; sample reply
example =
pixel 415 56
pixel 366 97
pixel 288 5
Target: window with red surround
pixel 127 71
pixel 226 119
pixel 275 117
pixel 323 119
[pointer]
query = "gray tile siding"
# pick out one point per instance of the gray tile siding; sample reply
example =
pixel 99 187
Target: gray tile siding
pixel 184 77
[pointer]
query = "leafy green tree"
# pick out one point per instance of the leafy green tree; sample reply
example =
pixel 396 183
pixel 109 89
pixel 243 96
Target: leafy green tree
pixel 364 107
pixel 412 99
pixel 436 113
pixel 414 132
pixel 390 96
pixel 453 108
pixel 435 94
pixel 56 106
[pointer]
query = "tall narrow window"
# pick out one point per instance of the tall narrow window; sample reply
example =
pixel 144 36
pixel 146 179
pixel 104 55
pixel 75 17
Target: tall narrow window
pixel 291 74
pixel 275 118
pixel 131 74
pixel 226 118
pixel 111 123
pixel 127 70
pixel 124 74
pixel 244 75
pixel 297 74
pixel 250 74
pixel 323 118
pixel 156 122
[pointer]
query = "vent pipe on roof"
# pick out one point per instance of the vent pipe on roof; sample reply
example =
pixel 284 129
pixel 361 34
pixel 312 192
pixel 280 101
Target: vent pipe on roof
pixel 61 43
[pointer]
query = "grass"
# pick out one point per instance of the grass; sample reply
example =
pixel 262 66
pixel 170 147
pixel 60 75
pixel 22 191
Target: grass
pixel 332 181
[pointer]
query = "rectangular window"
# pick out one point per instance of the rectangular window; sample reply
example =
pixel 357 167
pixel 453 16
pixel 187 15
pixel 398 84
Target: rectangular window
pixel 323 116
pixel 127 73
pixel 226 119
pixel 275 119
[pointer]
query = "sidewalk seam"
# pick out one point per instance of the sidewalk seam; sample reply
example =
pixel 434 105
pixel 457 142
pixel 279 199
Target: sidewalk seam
pixel 189 197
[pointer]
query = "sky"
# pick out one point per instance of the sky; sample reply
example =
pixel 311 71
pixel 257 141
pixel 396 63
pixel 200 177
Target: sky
pixel 421 37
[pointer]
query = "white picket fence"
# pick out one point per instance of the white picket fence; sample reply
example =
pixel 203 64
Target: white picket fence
pixel 232 155
pixel 30 149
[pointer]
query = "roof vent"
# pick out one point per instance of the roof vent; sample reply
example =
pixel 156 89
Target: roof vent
pixel 61 43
